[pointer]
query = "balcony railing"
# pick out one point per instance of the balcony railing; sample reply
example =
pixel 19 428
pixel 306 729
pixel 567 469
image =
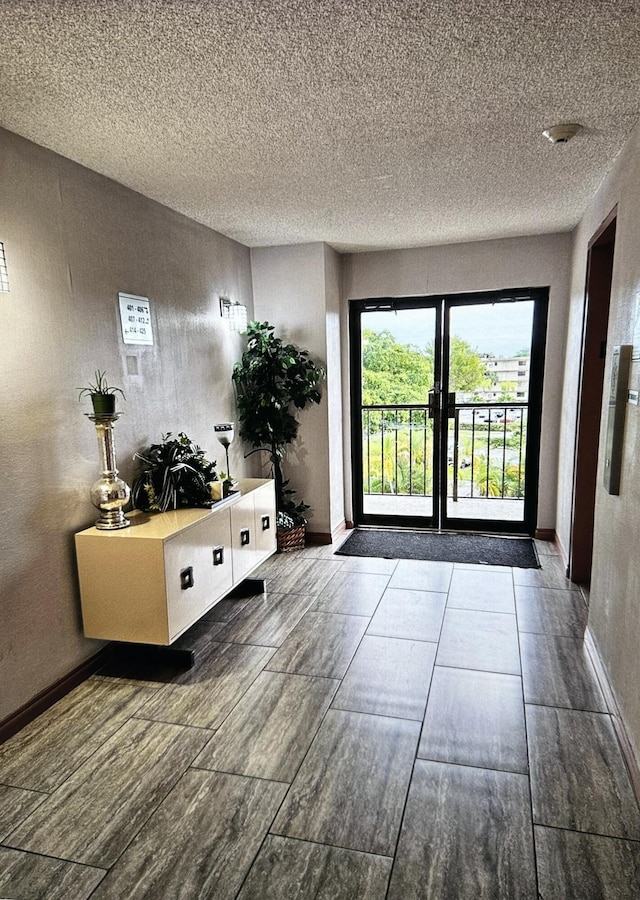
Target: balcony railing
pixel 485 450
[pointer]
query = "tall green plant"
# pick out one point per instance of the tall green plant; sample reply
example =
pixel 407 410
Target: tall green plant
pixel 273 381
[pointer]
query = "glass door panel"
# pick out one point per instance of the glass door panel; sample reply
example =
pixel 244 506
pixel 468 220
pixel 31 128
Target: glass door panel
pixel 488 364
pixel 396 436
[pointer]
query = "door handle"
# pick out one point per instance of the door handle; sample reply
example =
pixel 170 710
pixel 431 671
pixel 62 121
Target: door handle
pixel 451 405
pixel 432 404
pixel 245 537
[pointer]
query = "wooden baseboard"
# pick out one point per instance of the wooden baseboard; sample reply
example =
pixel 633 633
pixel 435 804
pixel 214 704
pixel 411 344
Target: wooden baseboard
pixel 614 711
pixel 324 537
pixel 338 531
pixel 317 537
pixel 546 534
pixel 52 694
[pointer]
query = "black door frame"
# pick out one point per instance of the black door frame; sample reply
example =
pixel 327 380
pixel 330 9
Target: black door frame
pixel 442 304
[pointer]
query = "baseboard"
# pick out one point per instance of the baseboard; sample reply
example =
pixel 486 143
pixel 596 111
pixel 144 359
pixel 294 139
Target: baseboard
pixel 338 531
pixel 324 537
pixel 317 537
pixel 52 694
pixel 614 711
pixel 546 534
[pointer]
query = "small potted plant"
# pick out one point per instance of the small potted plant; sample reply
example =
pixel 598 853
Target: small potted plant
pixel 103 394
pixel 273 381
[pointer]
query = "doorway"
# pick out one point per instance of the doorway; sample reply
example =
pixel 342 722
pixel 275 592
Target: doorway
pixel 446 403
pixel 590 397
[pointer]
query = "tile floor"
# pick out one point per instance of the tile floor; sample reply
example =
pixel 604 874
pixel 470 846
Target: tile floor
pixel 369 729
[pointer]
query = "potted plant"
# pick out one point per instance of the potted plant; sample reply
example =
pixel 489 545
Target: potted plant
pixel 103 394
pixel 274 380
pixel 174 473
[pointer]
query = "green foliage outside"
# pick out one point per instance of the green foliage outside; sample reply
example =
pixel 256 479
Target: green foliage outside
pixel 398 444
pixel 466 368
pixel 398 461
pixel 392 372
pixel 403 373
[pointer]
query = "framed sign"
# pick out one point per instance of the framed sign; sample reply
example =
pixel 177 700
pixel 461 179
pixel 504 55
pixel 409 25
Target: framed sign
pixel 135 317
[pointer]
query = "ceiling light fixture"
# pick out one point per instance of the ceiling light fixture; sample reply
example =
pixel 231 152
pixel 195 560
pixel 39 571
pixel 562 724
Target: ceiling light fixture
pixel 561 134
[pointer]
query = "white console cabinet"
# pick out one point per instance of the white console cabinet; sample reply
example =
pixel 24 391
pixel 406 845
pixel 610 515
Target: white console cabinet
pixel 150 582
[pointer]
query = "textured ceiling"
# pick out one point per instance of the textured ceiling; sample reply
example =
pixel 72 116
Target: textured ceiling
pixel 367 124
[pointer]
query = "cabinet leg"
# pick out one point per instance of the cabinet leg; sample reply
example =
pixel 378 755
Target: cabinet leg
pixel 248 588
pixel 147 654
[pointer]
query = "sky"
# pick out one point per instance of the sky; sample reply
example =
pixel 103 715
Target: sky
pixel 501 329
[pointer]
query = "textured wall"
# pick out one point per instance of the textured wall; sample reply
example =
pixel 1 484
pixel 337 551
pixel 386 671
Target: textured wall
pixel 73 240
pixel 614 617
pixel 289 285
pixel 332 269
pixel 488 265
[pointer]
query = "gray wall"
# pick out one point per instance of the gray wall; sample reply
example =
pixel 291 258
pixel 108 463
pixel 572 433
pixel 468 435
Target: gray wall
pixel 614 617
pixel 73 240
pixel 332 270
pixel 288 286
pixel 296 289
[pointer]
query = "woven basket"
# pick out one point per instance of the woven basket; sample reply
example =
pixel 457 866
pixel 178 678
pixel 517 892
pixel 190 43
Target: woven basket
pixel 291 538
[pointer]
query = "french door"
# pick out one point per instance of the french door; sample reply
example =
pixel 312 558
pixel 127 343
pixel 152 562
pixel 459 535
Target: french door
pixel 446 401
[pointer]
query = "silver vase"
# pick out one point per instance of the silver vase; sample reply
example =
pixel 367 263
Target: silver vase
pixel 109 494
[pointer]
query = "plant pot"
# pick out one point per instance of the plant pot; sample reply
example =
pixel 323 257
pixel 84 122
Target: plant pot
pixel 103 404
pixel 291 538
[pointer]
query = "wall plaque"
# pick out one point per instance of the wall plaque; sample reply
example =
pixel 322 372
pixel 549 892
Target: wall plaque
pixel 135 316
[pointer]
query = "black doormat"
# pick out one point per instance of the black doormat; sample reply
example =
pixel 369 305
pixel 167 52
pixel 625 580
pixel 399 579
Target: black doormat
pixel 478 549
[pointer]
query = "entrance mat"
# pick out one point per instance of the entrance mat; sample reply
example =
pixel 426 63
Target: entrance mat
pixel 478 549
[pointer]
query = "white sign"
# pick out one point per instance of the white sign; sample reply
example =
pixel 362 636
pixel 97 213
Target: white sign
pixel 135 316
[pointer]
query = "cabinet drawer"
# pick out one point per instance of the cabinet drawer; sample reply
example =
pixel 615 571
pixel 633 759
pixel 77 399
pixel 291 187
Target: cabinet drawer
pixel 198 571
pixel 243 538
pixel 265 519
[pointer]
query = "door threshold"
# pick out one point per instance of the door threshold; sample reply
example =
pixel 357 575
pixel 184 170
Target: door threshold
pixel 466 531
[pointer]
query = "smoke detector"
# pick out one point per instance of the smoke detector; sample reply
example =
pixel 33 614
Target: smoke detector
pixel 561 134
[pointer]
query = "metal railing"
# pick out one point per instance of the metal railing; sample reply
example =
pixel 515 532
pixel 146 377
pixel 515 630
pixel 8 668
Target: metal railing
pixel 485 450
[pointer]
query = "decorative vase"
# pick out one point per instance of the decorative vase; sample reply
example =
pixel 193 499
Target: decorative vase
pixel 109 494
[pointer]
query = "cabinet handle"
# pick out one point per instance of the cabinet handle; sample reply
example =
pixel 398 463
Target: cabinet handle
pixel 218 555
pixel 245 537
pixel 266 523
pixel 186 578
